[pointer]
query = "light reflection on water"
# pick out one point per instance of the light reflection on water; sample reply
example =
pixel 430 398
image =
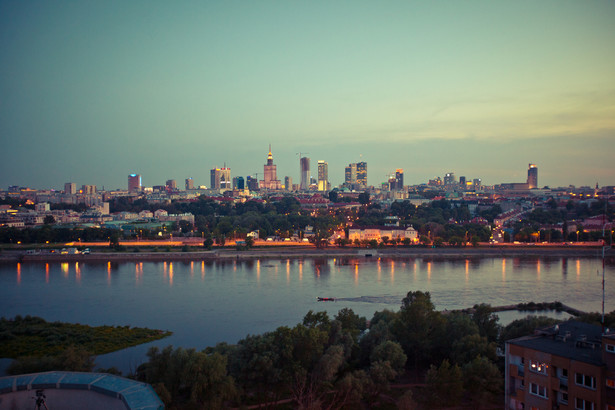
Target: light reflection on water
pixel 231 299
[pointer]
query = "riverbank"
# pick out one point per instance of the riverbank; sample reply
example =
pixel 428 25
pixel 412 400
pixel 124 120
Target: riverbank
pixel 13 256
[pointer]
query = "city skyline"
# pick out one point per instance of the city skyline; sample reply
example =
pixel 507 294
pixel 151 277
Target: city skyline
pixel 93 92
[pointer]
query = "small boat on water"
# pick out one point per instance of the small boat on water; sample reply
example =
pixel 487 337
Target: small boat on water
pixel 325 299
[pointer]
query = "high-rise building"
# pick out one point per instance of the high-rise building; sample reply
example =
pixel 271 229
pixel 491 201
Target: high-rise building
pixel 532 176
pixel 399 179
pixel 270 179
pixel 221 179
pixel 304 166
pixel 252 183
pixel 323 176
pixel 171 185
pixel 350 174
pixel 288 183
pixel 134 183
pixel 189 183
pixel 362 174
pixel 88 189
pixel 70 188
pixel 239 183
pixel 462 181
pixel 449 179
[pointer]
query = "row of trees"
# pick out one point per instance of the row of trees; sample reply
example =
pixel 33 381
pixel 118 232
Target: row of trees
pixel 439 221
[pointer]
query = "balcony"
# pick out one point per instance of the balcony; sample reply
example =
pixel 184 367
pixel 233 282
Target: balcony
pixel 563 384
pixel 516 370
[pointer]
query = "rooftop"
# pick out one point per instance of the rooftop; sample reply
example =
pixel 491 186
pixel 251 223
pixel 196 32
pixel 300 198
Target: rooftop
pixel 574 340
pixel 77 390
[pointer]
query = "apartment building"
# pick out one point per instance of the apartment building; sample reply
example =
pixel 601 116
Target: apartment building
pixel 567 366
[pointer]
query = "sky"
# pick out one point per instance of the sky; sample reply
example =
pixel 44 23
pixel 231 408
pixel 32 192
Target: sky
pixel 91 91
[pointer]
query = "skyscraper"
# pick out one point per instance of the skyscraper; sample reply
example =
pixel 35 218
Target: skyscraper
pixel 221 179
pixel 134 183
pixel 399 179
pixel 532 176
pixel 323 176
pixel 171 185
pixel 449 178
pixel 288 183
pixel 270 179
pixel 189 183
pixel 350 174
pixel 362 174
pixel 304 166
pixel 252 183
pixel 239 183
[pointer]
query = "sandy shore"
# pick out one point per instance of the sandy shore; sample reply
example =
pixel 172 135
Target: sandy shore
pixel 311 252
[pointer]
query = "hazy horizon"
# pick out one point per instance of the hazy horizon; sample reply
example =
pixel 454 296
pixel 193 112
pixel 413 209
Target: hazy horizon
pixel 94 91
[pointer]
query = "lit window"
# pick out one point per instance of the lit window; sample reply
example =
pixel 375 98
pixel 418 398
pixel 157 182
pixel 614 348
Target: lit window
pixel 610 383
pixel 538 390
pixel 610 348
pixel 538 367
pixel 585 380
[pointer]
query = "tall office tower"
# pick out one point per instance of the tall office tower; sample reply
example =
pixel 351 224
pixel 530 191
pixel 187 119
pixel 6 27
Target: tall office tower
pixel 323 176
pixel 134 183
pixel 270 178
pixel 477 182
pixel 171 185
pixel 252 183
pixel 449 178
pixel 462 181
pixel 350 174
pixel 70 188
pixel 239 183
pixel 88 189
pixel 362 174
pixel 221 179
pixel 532 176
pixel 391 185
pixel 288 183
pixel 189 183
pixel 399 179
pixel 304 166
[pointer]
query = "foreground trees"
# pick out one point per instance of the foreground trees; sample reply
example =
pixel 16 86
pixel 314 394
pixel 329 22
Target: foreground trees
pixel 336 363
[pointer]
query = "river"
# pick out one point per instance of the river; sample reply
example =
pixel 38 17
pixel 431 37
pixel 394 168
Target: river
pixel 208 302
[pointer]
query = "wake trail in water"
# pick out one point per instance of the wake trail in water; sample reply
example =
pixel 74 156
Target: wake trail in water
pixel 386 299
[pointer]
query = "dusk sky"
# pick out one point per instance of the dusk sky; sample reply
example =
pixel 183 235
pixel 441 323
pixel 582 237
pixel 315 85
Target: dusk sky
pixel 91 91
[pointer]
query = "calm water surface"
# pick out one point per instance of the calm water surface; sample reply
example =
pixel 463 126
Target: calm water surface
pixel 207 302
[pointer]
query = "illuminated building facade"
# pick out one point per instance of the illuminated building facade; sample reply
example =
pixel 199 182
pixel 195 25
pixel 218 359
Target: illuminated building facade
pixel 134 183
pixel 362 174
pixel 323 176
pixel 399 179
pixel 189 183
pixel 350 174
pixel 221 179
pixel 449 179
pixel 567 366
pixel 270 179
pixel 304 167
pixel 532 176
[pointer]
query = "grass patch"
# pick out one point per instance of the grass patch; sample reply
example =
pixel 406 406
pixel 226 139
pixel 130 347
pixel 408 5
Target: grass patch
pixel 33 336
